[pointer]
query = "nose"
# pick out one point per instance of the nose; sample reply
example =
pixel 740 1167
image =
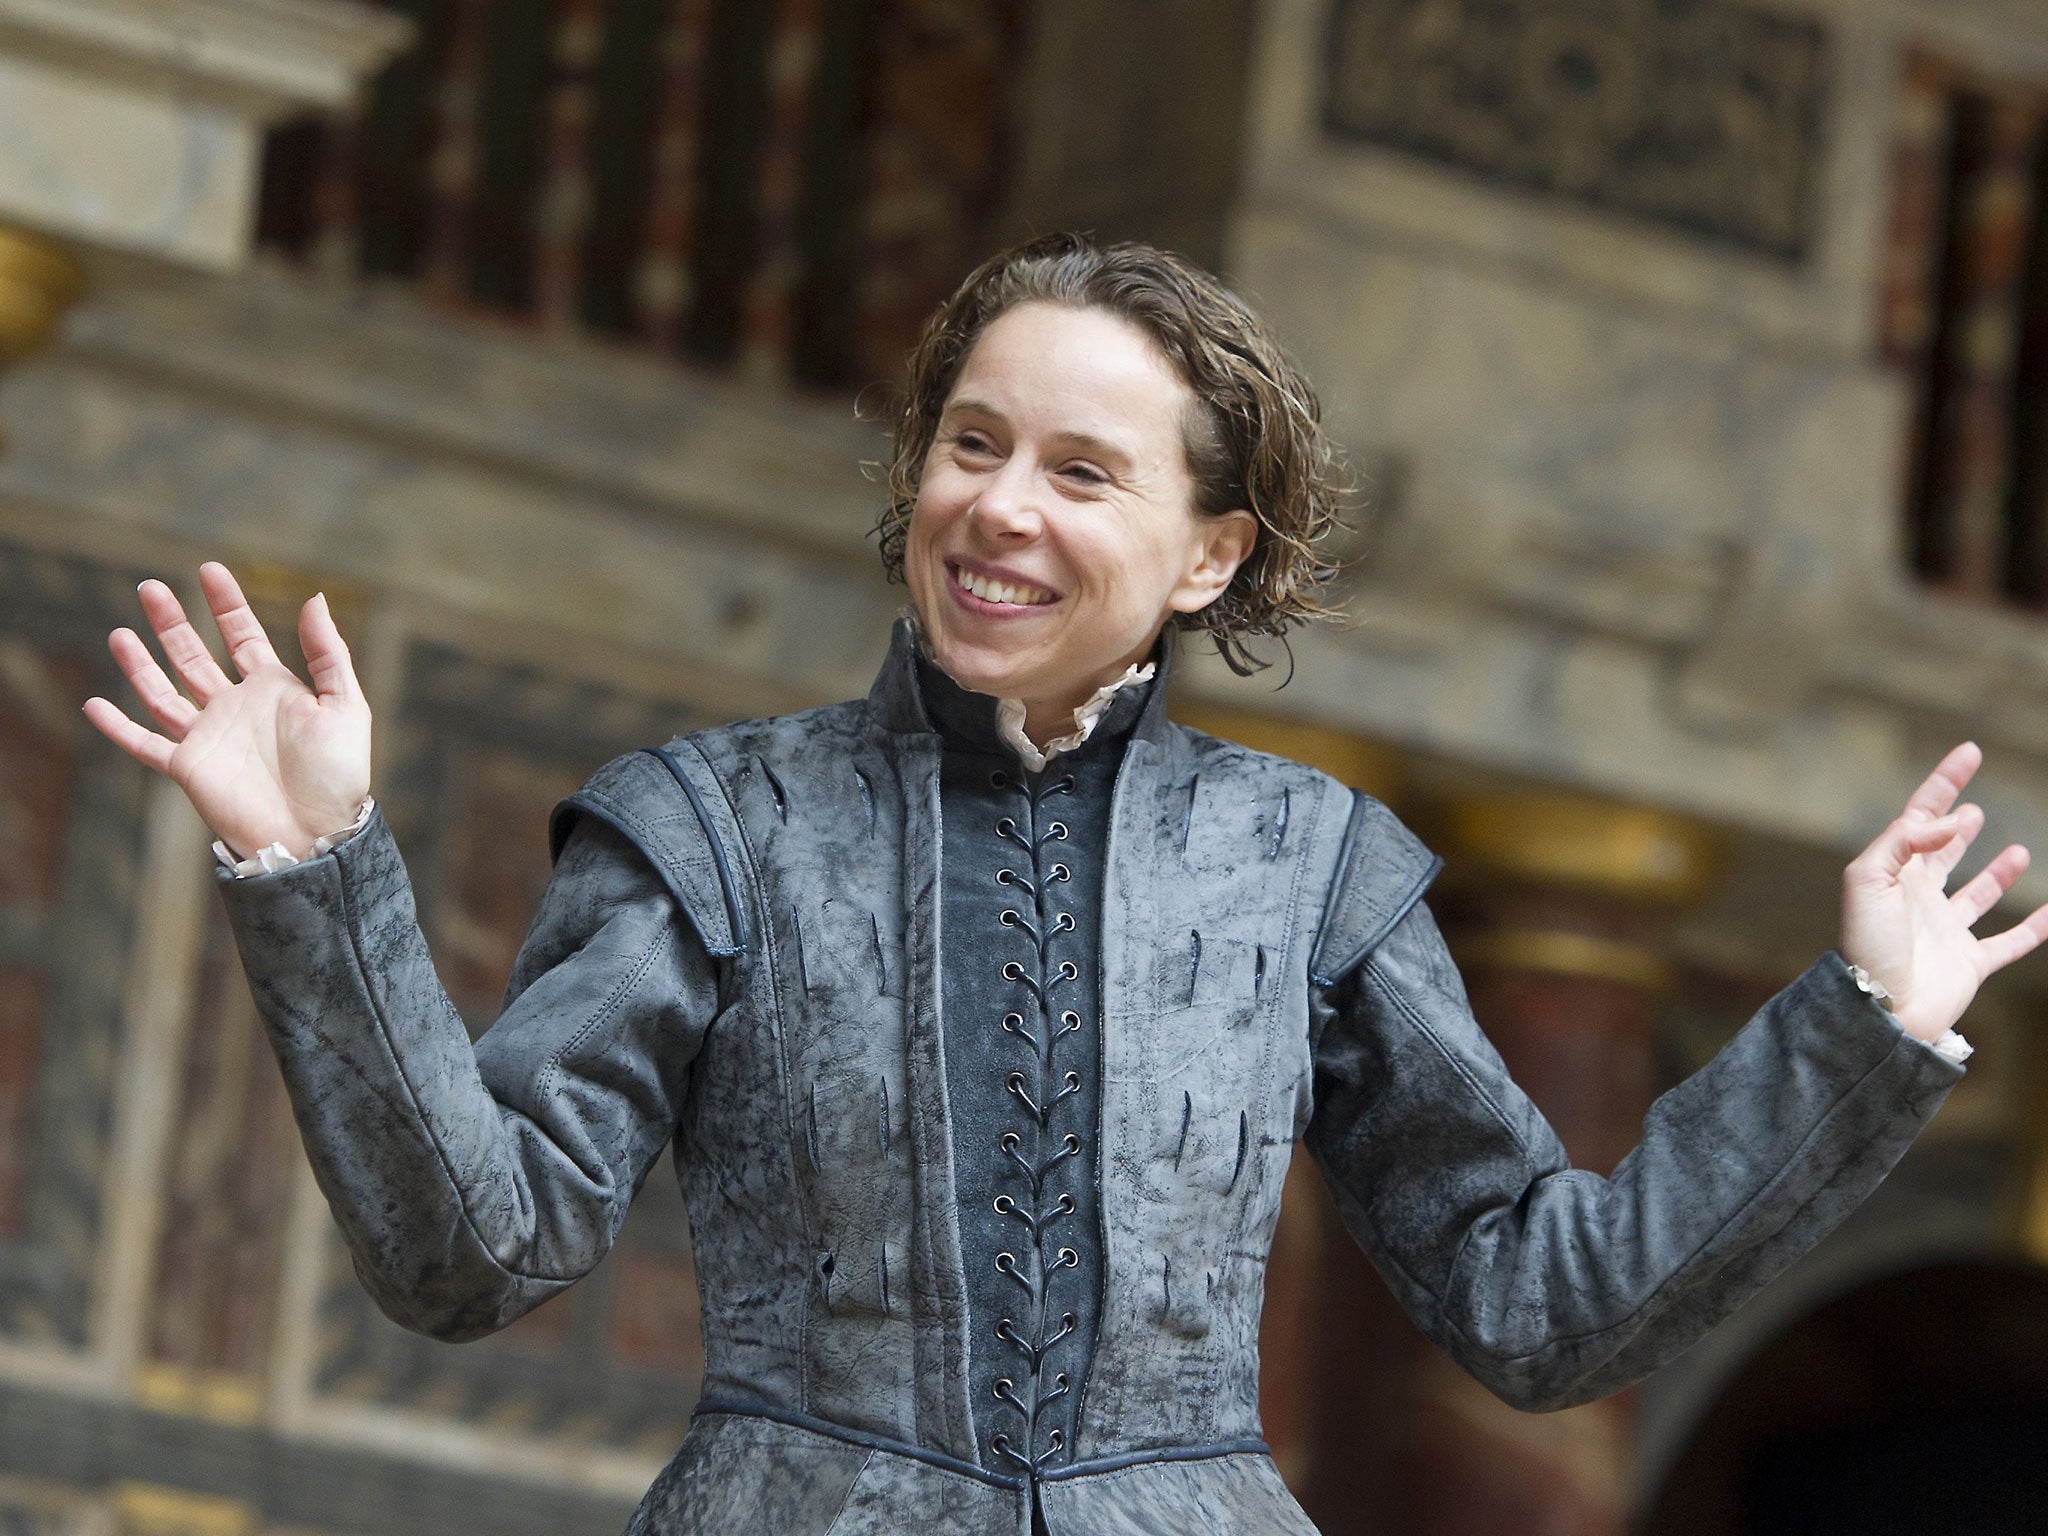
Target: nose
pixel 1006 510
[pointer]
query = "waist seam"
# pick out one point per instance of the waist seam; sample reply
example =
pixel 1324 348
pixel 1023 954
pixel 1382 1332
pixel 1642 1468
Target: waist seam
pixel 743 1408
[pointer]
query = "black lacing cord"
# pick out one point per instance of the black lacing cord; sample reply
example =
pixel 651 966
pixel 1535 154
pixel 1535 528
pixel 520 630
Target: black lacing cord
pixel 1039 1085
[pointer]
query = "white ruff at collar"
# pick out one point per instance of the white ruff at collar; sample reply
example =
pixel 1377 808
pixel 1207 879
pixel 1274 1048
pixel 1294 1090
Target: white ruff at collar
pixel 1010 720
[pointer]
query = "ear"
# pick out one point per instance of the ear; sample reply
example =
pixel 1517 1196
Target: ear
pixel 1223 543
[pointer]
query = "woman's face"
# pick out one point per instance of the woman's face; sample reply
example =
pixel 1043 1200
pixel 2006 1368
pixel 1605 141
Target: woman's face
pixel 1054 531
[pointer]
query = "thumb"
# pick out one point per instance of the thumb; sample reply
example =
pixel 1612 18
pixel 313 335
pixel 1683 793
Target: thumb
pixel 327 657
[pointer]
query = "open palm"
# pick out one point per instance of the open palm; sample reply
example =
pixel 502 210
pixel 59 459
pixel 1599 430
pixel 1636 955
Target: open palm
pixel 1899 923
pixel 264 759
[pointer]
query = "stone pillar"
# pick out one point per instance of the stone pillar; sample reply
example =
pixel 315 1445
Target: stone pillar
pixel 1556 907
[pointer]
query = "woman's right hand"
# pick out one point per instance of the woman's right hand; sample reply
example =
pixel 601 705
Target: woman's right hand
pixel 263 760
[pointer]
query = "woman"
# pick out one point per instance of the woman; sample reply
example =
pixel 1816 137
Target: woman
pixel 984 1012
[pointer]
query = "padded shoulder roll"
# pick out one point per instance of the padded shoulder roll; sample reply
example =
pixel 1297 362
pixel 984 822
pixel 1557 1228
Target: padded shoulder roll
pixel 667 803
pixel 1381 872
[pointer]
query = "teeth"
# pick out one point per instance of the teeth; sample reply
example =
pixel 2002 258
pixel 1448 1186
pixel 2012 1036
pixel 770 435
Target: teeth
pixel 1014 593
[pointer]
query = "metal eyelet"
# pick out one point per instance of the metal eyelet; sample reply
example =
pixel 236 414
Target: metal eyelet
pixel 1006 826
pixel 998 780
pixel 1006 877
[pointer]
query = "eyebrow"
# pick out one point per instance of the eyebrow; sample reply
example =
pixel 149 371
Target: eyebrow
pixel 1088 442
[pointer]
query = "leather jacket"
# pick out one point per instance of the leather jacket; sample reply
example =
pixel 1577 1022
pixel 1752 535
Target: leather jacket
pixel 738 956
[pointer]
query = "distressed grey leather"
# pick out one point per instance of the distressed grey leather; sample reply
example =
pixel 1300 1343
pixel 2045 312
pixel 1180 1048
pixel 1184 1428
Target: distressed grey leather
pixel 1267 972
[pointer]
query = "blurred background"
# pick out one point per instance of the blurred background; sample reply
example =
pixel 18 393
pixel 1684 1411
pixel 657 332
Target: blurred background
pixel 1692 357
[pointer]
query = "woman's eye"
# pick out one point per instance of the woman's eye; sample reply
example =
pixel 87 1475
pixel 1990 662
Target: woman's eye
pixel 972 442
pixel 1087 474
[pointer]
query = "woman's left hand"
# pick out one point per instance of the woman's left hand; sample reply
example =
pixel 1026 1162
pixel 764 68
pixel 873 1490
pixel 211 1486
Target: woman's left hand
pixel 1898 924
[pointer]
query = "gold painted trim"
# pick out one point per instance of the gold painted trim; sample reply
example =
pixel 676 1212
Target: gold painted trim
pixel 1566 954
pixel 1555 838
pixel 219 1396
pixel 1368 765
pixel 38 282
pixel 150 1509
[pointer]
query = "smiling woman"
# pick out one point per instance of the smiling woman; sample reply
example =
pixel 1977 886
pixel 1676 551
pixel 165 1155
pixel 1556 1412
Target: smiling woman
pixel 1054 532
pixel 1178 381
pixel 984 1013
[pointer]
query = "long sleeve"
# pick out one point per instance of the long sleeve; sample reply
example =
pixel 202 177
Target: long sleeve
pixel 1551 1284
pixel 474 1181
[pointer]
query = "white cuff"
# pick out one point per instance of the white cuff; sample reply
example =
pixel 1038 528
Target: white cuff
pixel 1952 1047
pixel 277 856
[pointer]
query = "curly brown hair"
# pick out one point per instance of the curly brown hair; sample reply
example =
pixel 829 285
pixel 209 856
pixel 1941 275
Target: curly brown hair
pixel 1256 440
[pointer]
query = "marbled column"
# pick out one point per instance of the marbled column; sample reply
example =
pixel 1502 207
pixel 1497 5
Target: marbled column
pixel 1557 908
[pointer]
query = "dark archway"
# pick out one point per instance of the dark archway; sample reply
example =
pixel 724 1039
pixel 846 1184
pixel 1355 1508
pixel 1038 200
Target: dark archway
pixel 1917 1403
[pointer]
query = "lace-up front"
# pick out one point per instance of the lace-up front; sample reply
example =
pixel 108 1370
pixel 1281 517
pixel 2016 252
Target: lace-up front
pixel 1021 873
pixel 1040 992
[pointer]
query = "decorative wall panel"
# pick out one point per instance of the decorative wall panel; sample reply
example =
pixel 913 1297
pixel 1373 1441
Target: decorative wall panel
pixel 1702 115
pixel 227 1180
pixel 70 837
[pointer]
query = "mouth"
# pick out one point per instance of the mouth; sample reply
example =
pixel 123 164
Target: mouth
pixel 995 593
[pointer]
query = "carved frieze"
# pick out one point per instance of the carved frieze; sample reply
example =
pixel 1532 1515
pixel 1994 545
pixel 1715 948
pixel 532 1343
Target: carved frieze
pixel 1702 115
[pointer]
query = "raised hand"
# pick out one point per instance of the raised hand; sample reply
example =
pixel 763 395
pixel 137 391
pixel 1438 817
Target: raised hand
pixel 1898 924
pixel 265 759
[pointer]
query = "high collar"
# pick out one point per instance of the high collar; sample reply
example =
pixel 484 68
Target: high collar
pixel 898 704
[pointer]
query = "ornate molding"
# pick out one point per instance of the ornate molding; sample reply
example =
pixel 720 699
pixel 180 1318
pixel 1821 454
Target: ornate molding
pixel 265 55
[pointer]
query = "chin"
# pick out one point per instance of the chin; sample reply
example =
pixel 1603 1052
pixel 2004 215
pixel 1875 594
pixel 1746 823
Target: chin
pixel 974 668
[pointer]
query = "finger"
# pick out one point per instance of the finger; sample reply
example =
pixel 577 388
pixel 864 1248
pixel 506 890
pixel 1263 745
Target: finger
pixel 146 747
pixel 2022 938
pixel 1969 822
pixel 174 632
pixel 168 707
pixel 1900 841
pixel 327 658
pixel 1990 885
pixel 240 630
pixel 1938 791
